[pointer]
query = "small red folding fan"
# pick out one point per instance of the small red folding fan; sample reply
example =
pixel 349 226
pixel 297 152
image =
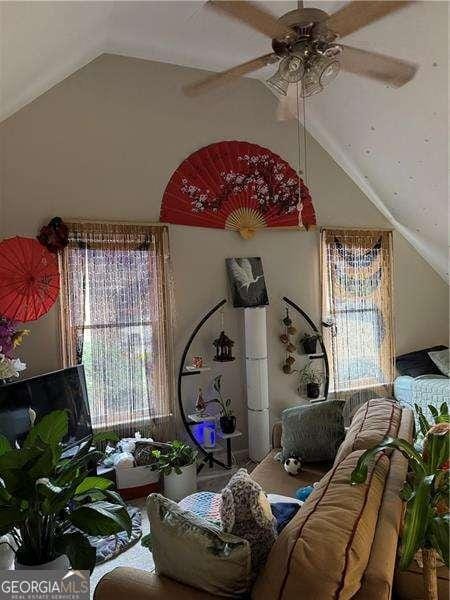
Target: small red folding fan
pixel 239 186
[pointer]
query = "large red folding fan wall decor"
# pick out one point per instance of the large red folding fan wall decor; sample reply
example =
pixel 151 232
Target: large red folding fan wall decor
pixel 238 186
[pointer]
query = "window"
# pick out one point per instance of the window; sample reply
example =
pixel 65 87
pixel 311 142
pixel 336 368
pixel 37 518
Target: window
pixel 115 315
pixel 357 306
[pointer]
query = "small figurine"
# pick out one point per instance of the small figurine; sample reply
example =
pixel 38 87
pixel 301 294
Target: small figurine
pixel 200 404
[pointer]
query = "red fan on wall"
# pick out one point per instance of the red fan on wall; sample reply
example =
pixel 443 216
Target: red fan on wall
pixel 238 186
pixel 29 279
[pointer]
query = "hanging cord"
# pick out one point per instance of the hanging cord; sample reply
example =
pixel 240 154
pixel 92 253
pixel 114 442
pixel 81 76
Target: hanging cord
pixel 305 169
pixel 300 172
pixel 304 140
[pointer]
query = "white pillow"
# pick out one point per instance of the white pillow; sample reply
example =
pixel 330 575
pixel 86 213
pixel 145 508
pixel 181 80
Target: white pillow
pixel 441 360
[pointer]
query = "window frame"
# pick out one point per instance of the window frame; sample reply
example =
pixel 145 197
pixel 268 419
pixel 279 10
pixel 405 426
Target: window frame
pixel 162 409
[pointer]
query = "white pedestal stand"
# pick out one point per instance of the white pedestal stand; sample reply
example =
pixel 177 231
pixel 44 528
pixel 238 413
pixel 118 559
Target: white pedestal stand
pixel 257 382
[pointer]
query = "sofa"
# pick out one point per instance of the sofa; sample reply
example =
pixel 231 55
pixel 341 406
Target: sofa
pixel 342 543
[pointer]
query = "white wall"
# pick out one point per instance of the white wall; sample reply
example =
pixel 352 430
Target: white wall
pixel 103 145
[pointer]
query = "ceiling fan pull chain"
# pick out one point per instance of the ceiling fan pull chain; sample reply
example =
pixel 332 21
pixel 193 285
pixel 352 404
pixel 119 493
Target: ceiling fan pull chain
pixel 298 133
pixel 305 140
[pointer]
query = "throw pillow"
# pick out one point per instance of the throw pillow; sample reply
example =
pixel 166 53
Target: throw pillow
pixel 313 432
pixel 418 362
pixel 195 552
pixel 441 360
pixel 246 513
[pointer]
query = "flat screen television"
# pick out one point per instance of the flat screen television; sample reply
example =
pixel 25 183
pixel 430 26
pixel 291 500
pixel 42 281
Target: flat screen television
pixel 64 389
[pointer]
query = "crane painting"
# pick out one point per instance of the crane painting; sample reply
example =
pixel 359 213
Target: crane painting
pixel 248 286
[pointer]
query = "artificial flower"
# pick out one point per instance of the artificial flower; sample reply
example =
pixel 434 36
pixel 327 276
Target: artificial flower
pixel 10 367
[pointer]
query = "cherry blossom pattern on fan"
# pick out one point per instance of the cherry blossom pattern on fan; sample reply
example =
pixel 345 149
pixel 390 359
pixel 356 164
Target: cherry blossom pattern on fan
pixel 238 186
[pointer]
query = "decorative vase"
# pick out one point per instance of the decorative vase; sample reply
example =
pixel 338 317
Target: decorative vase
pixel 61 563
pixel 228 424
pixel 312 390
pixel 177 487
pixel 309 345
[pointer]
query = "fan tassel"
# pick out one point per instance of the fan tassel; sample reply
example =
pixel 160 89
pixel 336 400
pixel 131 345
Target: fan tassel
pixel 247 233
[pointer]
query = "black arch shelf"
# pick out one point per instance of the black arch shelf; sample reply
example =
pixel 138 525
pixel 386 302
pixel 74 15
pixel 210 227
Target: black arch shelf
pixel 322 345
pixel 207 456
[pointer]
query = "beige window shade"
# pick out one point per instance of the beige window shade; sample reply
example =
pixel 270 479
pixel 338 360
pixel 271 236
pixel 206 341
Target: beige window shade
pixel 116 320
pixel 357 303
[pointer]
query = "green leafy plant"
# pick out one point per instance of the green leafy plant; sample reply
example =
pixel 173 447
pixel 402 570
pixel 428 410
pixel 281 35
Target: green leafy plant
pixel 175 456
pixel 225 405
pixel 309 375
pixel 50 504
pixel 427 519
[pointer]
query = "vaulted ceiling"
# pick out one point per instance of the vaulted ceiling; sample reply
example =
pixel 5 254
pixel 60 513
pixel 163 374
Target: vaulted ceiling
pixel 392 142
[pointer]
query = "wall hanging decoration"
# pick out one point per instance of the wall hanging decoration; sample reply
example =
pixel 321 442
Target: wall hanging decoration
pixel 29 279
pixel 285 339
pixel 238 186
pixel 307 374
pixel 54 236
pixel 247 282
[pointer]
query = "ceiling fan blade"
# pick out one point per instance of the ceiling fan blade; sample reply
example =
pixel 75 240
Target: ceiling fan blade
pixel 218 79
pixel 388 69
pixel 253 16
pixel 359 13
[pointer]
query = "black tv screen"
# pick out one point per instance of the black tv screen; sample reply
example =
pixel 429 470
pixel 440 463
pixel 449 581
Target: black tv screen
pixel 65 389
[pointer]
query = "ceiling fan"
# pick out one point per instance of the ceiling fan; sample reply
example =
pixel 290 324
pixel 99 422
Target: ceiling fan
pixel 304 46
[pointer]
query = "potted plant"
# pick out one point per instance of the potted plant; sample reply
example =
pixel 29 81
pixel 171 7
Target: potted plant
pixel 427 519
pixel 177 463
pixel 311 379
pixel 309 342
pixel 49 504
pixel 227 419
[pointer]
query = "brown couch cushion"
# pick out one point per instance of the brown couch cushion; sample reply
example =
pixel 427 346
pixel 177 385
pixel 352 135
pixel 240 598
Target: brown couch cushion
pixel 323 551
pixel 379 573
pixel 273 479
pixel 372 422
pixel 126 583
pixel 277 431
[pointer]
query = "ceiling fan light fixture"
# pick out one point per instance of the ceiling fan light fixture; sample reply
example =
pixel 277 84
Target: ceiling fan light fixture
pixel 310 85
pixel 330 70
pixel 278 83
pixel 292 69
pixel 324 68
